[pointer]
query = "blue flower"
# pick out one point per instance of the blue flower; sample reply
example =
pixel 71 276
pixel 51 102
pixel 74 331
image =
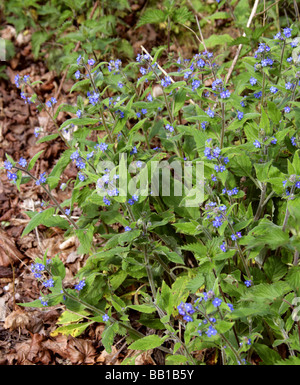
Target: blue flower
pixel 195 84
pixel 216 302
pixel 274 140
pixel 93 98
pixel 81 177
pixel 211 331
pixel 41 179
pixel 223 247
pixel 17 80
pixel 287 32
pixel 253 81
pixel 80 285
pixel 166 81
pixel 89 155
pixel 8 165
pixel 49 283
pixel 43 301
pixel 248 283
pixel 106 201
pixel 127 228
pixel 240 115
pixel 225 94
pixel 257 144
pixel 289 86
pixel 91 62
pixel 273 90
pixel 74 155
pixel 105 318
pixel 79 113
pixel 168 127
pixel 79 59
pixel 77 74
pixel 217 222
pixel 210 113
pixel 188 318
pixel 12 176
pixel 22 162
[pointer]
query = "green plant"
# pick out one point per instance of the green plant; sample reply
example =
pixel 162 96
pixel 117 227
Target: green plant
pixel 221 273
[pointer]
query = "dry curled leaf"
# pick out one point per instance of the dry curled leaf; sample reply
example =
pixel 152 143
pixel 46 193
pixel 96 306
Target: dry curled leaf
pixel 106 358
pixel 15 320
pixel 145 358
pixel 8 251
pixel 81 351
pixel 59 345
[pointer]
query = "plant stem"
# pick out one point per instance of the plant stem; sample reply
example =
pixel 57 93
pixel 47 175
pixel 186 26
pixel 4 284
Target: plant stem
pixel 287 213
pixel 50 196
pixel 223 125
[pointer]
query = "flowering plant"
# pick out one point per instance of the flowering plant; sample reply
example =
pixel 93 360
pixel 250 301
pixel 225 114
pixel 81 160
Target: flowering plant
pixel 222 267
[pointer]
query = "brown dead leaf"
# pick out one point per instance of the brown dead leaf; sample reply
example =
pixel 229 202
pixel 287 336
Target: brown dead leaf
pixel 15 320
pixel 35 347
pixel 8 251
pixel 106 358
pixel 81 351
pixel 59 345
pixel 145 358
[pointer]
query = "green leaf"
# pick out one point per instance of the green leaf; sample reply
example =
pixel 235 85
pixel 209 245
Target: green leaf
pixel 108 336
pixel 274 269
pixel 265 122
pixel 147 343
pixel 269 356
pixel 47 138
pixel 152 16
pixel 38 219
pixel 144 308
pixel 85 237
pixel 179 100
pixel 289 361
pixel 176 359
pixel 241 165
pixel 196 283
pixel 37 39
pixel 33 160
pixel 73 330
pixel 67 317
pixel 117 279
pixel 293 278
pixel 224 326
pixel 187 228
pixel 80 122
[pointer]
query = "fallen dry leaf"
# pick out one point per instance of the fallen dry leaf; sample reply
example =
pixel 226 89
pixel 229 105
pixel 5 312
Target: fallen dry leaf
pixel 15 320
pixel 106 358
pixel 8 251
pixel 59 345
pixel 145 358
pixel 81 351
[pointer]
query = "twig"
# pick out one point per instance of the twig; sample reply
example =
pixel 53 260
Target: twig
pixel 241 45
pixel 162 70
